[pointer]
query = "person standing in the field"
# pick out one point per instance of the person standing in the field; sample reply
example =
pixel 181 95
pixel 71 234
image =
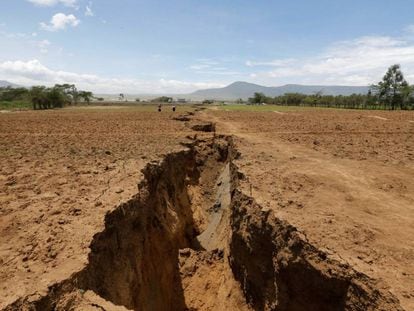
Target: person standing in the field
pixel 159 108
pixel 173 108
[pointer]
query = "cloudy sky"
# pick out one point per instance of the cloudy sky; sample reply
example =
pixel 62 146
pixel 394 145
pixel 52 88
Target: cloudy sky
pixel 173 46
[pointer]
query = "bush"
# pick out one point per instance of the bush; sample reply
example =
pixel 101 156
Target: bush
pixel 9 94
pixel 163 99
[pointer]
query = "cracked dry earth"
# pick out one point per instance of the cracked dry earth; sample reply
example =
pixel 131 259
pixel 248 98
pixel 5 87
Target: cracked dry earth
pixel 193 236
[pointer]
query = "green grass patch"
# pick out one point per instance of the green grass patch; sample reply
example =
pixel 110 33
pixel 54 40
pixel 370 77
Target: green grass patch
pixel 269 108
pixel 15 105
pixel 262 108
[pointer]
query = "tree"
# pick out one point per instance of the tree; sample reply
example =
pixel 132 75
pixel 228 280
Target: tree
pixel 407 96
pixel 393 87
pixel 85 96
pixel 57 96
pixel 258 98
pixel 38 97
pixel 70 92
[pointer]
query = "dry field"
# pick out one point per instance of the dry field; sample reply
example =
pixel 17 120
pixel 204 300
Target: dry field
pixel 344 178
pixel 60 172
pixel 297 210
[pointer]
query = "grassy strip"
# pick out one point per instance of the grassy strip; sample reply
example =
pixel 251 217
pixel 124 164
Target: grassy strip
pixel 265 108
pixel 15 105
pixel 262 108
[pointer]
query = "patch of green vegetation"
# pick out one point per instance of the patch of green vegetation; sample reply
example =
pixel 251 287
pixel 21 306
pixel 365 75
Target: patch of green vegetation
pixel 392 93
pixel 15 105
pixel 261 108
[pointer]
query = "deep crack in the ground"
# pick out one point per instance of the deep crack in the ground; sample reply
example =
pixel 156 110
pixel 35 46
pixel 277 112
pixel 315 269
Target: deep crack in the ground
pixel 191 240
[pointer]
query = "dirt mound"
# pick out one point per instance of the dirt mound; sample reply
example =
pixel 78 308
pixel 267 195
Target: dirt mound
pixel 190 240
pixel 196 124
pixel 182 118
pixel 204 127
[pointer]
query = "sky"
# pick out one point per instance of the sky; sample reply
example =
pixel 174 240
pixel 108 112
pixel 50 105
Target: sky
pixel 178 46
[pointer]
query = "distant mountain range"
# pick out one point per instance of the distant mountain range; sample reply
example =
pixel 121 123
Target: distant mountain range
pixel 4 83
pixel 245 90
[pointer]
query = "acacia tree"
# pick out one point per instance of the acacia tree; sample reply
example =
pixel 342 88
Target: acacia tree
pixel 393 88
pixel 258 98
pixel 70 92
pixel 85 96
pixel 38 96
pixel 57 96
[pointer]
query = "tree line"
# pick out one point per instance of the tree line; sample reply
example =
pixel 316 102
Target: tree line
pixel 42 97
pixel 393 92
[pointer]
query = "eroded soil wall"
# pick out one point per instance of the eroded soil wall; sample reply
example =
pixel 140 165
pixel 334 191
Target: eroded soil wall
pixel 279 270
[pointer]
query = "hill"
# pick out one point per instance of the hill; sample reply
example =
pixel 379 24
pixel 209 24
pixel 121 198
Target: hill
pixel 245 90
pixel 4 83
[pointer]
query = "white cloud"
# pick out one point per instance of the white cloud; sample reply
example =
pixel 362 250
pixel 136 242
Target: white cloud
pixel 69 3
pixel 212 67
pixel 88 10
pixel 219 72
pixel 24 45
pixel 208 61
pixel 60 21
pixel 199 66
pixel 33 72
pixel 272 63
pixel 356 62
pixel 43 45
pixel 409 29
pixel 15 35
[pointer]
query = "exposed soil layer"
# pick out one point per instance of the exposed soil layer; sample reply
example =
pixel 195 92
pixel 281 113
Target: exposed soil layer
pixel 280 270
pixel 190 239
pixel 205 127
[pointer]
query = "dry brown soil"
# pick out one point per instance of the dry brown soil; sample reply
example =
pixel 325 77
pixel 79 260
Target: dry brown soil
pixel 76 233
pixel 60 173
pixel 344 178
